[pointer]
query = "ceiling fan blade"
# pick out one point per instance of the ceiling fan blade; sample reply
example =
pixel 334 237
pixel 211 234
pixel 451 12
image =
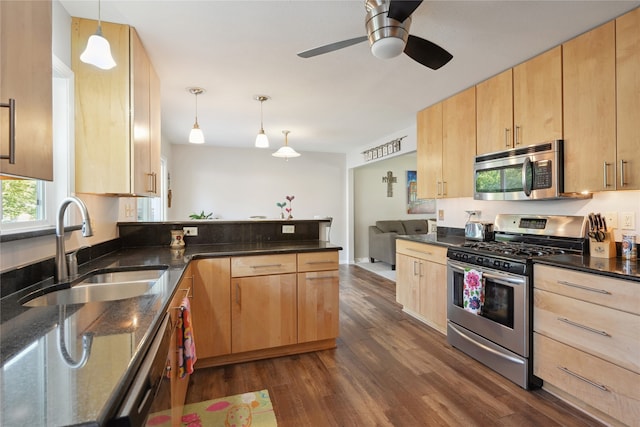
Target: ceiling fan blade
pixel 402 9
pixel 331 47
pixel 427 53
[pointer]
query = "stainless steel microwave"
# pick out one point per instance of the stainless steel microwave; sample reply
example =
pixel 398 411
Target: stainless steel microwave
pixel 535 172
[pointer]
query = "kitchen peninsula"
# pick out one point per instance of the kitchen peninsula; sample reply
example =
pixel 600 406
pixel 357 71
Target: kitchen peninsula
pixel 251 259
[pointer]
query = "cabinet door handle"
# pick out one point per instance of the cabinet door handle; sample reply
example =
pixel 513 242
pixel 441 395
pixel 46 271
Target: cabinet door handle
pixel 238 293
pixel 444 188
pixel 622 163
pixel 439 192
pixel 581 378
pixel 420 252
pixel 319 278
pixel 12 131
pixel 605 169
pixel 586 288
pixel 507 143
pixel 581 326
pixel 414 268
pixel 517 136
pixel 266 265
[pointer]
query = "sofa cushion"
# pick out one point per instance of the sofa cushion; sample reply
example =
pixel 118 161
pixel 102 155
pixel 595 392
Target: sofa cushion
pixel 391 226
pixel 416 226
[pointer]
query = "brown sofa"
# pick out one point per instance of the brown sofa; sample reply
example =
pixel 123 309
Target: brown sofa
pixel 382 237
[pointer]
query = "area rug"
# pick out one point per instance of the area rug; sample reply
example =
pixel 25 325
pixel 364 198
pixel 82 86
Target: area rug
pixel 241 410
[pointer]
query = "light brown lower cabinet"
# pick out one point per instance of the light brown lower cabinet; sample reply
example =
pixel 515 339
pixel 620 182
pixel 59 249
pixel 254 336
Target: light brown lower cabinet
pixel 211 306
pixel 421 282
pixel 263 312
pixel 586 345
pixel 259 306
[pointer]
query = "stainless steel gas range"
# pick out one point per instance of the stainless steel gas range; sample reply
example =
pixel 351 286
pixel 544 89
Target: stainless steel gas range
pixel 489 289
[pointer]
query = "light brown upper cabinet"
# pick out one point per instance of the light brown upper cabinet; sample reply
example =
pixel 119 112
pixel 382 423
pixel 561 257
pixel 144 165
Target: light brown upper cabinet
pixel 429 161
pixel 628 100
pixel 522 105
pixel 117 115
pixel 494 103
pixel 537 99
pixel 589 79
pixel 458 143
pixel 446 135
pixel 25 89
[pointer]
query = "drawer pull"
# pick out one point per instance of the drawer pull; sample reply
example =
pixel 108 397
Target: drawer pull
pixel 266 265
pixel 586 328
pixel 318 262
pixel 580 377
pixel 586 288
pixel 420 252
pixel 320 278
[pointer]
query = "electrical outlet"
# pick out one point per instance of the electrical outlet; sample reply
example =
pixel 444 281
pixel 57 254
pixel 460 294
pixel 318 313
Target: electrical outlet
pixel 612 219
pixel 628 221
pixel 440 214
pixel 190 231
pixel 288 229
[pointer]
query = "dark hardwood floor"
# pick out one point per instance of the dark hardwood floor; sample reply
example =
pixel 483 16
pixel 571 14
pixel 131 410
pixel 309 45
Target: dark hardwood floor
pixel 387 370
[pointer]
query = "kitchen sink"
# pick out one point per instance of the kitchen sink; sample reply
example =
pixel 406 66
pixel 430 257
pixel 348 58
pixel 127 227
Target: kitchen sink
pixel 100 285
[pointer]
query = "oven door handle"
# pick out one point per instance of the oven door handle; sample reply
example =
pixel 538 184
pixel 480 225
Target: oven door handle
pixel 500 278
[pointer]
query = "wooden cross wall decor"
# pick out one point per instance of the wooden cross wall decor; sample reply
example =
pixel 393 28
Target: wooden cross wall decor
pixel 390 180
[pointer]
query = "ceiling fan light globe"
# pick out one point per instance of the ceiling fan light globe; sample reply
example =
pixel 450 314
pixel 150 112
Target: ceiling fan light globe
pixel 98 52
pixel 261 140
pixel 388 47
pixel 196 136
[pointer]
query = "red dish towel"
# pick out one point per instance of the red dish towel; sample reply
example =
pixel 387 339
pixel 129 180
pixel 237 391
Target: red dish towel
pixel 186 346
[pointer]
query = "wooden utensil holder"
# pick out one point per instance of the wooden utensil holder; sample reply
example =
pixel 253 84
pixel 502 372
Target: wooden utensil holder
pixel 604 249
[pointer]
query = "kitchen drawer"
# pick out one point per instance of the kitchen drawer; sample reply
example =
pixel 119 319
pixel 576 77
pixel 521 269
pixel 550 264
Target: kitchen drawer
pixel 594 288
pixel 317 261
pixel 261 265
pixel 604 332
pixel 425 251
pixel 600 384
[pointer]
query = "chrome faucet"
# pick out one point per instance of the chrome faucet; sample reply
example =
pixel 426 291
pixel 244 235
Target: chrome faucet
pixel 62 272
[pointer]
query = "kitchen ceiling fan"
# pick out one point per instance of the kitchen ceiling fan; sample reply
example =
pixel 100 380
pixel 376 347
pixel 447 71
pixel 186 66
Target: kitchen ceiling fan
pixel 387 23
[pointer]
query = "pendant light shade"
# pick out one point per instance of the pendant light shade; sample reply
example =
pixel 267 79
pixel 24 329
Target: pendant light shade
pixel 98 51
pixel 261 139
pixel 285 151
pixel 196 136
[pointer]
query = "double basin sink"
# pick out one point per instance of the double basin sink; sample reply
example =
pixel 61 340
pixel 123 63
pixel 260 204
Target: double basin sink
pixel 107 284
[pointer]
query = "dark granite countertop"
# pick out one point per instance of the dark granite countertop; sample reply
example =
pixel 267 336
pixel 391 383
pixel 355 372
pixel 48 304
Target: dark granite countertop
pixel 613 267
pixel 435 239
pixel 40 389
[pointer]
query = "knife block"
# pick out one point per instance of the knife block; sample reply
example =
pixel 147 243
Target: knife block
pixel 604 249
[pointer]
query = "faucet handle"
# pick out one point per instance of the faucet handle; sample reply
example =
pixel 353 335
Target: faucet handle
pixel 72 263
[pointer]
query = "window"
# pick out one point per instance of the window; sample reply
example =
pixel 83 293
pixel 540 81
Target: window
pixel 22 200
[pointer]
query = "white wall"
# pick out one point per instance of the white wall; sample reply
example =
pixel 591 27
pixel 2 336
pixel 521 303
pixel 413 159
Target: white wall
pixel 371 203
pixel 611 201
pixel 237 183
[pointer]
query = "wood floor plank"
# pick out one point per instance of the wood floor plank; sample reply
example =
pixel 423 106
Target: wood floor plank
pixel 388 369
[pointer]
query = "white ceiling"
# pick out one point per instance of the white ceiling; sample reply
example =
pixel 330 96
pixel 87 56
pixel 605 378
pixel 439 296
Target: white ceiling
pixel 339 101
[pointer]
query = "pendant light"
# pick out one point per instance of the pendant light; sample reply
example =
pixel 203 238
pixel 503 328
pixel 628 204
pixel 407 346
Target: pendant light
pixel 98 51
pixel 261 140
pixel 285 151
pixel 196 136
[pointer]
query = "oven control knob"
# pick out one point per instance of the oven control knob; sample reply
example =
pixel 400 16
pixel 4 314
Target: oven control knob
pixel 496 263
pixel 479 260
pixel 506 265
pixel 465 256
